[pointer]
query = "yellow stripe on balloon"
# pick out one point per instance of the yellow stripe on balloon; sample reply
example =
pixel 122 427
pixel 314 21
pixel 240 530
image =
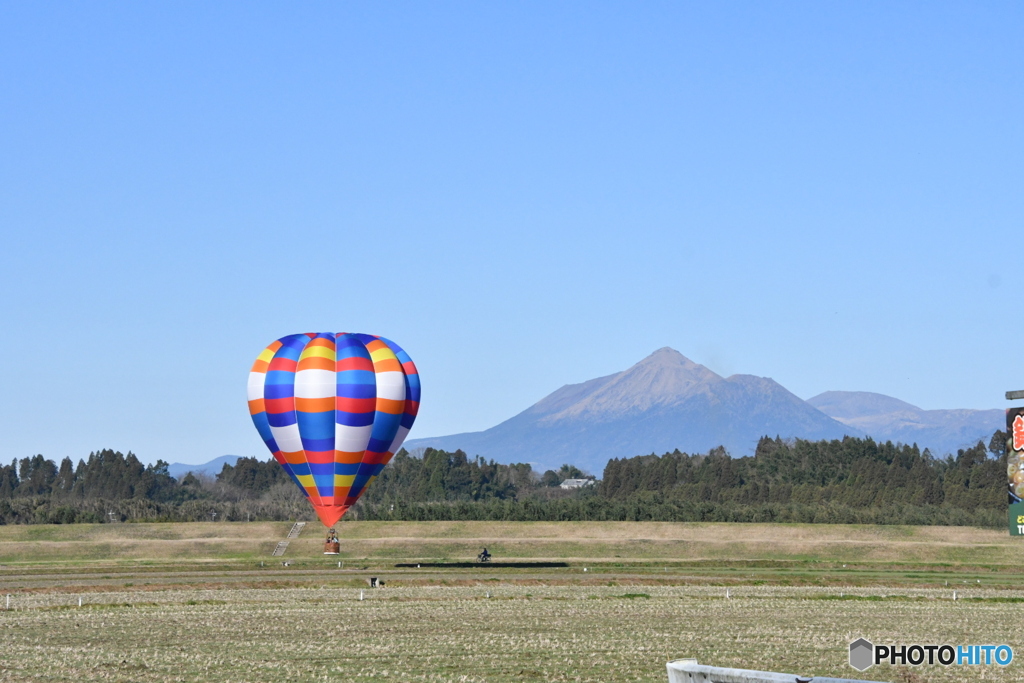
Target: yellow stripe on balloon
pixel 381 353
pixel 318 352
pixel 341 480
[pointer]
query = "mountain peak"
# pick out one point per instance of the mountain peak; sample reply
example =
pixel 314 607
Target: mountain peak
pixel 679 367
pixel 666 355
pixel 663 378
pixel 665 351
pixel 665 401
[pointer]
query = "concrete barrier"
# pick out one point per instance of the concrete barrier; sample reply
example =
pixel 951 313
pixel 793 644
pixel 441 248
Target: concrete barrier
pixel 689 671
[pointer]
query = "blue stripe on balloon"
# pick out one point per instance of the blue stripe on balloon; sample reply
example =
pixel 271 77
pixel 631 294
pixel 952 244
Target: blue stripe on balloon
pixel 349 347
pixel 353 419
pixel 317 445
pixel 280 388
pixel 281 419
pixel 316 427
pixel 385 427
pixel 263 427
pixel 356 390
pixel 359 483
pixel 364 339
pixel 379 445
pixel 291 346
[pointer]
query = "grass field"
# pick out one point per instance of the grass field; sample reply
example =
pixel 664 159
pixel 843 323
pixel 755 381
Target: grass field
pixel 206 601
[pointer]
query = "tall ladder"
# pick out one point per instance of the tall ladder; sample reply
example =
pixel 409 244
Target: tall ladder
pixel 283 545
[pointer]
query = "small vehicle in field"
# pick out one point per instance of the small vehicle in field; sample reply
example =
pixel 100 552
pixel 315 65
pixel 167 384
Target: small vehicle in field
pixel 484 556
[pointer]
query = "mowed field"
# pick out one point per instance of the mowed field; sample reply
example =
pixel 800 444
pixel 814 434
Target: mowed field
pixel 206 601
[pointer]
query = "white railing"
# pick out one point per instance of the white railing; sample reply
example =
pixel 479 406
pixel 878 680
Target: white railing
pixel 689 671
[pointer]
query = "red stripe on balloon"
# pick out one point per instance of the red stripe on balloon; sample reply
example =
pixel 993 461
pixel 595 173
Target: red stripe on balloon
pixel 275 406
pixel 320 457
pixel 281 363
pixel 356 405
pixel 354 363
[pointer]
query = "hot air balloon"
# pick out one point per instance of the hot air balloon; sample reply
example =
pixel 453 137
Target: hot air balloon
pixel 333 409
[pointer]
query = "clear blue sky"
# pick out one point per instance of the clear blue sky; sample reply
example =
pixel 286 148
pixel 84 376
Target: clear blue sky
pixel 523 195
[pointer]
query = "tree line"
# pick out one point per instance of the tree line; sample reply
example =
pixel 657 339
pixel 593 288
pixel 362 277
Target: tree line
pixel 857 473
pixel 851 480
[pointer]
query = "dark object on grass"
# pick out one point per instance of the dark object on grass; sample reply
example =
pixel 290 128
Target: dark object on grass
pixel 488 565
pixel 484 556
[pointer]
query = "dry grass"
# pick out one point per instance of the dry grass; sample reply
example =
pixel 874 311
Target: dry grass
pixel 191 602
pixel 552 633
pixel 570 541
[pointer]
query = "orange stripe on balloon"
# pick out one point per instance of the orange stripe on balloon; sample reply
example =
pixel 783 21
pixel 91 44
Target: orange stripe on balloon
pixel 322 341
pixel 387 365
pixel 390 406
pixel 256 406
pixel 316 363
pixel 314 405
pixel 372 458
pixel 296 458
pixel 348 457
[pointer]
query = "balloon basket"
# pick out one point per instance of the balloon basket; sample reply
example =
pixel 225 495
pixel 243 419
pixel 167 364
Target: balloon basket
pixel 332 548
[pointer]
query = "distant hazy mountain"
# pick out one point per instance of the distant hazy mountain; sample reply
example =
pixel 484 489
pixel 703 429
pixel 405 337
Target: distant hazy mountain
pixel 664 402
pixel 212 468
pixel 888 419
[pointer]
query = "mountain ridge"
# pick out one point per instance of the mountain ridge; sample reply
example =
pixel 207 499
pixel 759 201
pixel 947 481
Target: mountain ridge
pixel 890 419
pixel 210 469
pixel 664 402
pixel 667 401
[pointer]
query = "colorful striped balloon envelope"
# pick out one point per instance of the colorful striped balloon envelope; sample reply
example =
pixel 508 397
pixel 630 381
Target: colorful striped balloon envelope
pixel 333 409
